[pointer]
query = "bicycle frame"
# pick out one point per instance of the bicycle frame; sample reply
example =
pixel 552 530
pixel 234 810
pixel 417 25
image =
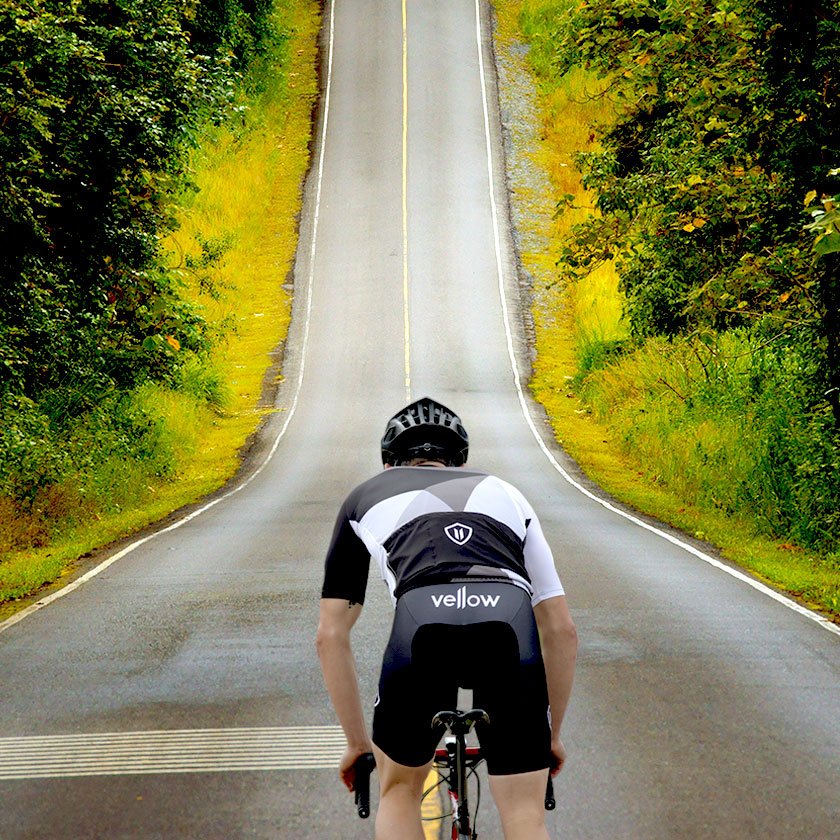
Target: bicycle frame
pixel 459 760
pixel 455 763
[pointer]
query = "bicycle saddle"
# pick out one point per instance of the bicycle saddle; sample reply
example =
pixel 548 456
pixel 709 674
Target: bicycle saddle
pixel 458 722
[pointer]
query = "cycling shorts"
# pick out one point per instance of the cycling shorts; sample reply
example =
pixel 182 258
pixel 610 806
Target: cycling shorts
pixel 479 636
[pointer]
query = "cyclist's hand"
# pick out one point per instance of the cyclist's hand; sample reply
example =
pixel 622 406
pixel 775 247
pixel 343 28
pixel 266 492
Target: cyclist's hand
pixel 558 754
pixel 346 768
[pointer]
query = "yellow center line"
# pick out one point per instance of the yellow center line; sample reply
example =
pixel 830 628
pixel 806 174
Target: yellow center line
pixel 406 323
pixel 431 810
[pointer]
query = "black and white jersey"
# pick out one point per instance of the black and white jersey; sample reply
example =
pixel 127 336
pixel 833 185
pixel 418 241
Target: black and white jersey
pixel 430 525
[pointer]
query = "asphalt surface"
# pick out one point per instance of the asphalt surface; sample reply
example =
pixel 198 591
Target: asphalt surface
pixel 183 678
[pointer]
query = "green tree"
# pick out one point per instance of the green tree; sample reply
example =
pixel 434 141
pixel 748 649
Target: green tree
pixel 724 120
pixel 725 117
pixel 99 104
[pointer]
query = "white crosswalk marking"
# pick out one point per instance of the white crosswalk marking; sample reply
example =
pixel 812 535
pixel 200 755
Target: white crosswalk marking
pixel 171 751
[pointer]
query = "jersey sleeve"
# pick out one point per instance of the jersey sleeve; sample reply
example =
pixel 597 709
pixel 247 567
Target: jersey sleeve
pixel 347 563
pixel 539 560
pixel 537 555
pixel 539 563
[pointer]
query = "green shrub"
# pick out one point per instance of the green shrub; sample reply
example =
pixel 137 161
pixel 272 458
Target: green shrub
pixel 730 425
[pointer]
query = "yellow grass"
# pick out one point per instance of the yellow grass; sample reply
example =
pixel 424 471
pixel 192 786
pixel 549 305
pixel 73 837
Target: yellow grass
pixel 591 306
pixel 249 195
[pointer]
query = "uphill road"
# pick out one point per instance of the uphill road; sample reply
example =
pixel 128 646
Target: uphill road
pixel 176 693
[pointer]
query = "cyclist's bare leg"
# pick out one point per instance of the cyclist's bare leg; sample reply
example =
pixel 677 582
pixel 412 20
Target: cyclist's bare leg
pixel 400 789
pixel 520 799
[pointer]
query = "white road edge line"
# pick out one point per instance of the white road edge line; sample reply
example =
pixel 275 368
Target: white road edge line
pixel 66 590
pixel 755 584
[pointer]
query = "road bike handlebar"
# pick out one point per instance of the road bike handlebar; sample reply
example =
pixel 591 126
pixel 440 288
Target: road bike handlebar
pixel 364 766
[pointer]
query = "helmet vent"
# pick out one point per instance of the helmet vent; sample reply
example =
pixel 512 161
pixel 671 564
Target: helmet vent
pixel 425 428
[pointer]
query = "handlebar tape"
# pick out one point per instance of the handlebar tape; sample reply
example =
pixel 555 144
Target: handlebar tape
pixel 364 766
pixel 550 802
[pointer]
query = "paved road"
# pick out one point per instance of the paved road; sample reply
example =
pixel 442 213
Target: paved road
pixel 703 707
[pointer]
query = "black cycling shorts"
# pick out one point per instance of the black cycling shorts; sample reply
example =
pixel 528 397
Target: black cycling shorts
pixel 479 636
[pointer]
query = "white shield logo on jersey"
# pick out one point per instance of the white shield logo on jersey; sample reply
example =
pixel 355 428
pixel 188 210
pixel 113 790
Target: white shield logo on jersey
pixel 458 533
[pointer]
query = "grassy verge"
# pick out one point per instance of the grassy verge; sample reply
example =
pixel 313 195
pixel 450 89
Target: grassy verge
pixel 622 421
pixel 236 239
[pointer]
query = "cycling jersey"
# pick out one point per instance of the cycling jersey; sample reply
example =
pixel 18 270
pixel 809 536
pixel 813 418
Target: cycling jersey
pixel 432 525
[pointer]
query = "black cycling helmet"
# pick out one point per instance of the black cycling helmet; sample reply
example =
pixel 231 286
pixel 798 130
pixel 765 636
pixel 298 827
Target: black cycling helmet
pixel 425 429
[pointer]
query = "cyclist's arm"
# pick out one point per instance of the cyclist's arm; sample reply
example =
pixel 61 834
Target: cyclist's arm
pixel 558 639
pixel 339 668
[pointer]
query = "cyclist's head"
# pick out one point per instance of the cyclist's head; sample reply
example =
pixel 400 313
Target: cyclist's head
pixel 427 430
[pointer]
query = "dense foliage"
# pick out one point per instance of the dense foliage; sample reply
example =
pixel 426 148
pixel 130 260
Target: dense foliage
pixel 714 186
pixel 100 102
pixel 240 27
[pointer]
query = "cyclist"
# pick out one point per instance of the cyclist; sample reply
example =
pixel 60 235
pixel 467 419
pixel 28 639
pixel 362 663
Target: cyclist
pixel 474 583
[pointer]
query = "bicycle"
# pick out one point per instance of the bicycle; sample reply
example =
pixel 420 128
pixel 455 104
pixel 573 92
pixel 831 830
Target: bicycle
pixel 455 763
